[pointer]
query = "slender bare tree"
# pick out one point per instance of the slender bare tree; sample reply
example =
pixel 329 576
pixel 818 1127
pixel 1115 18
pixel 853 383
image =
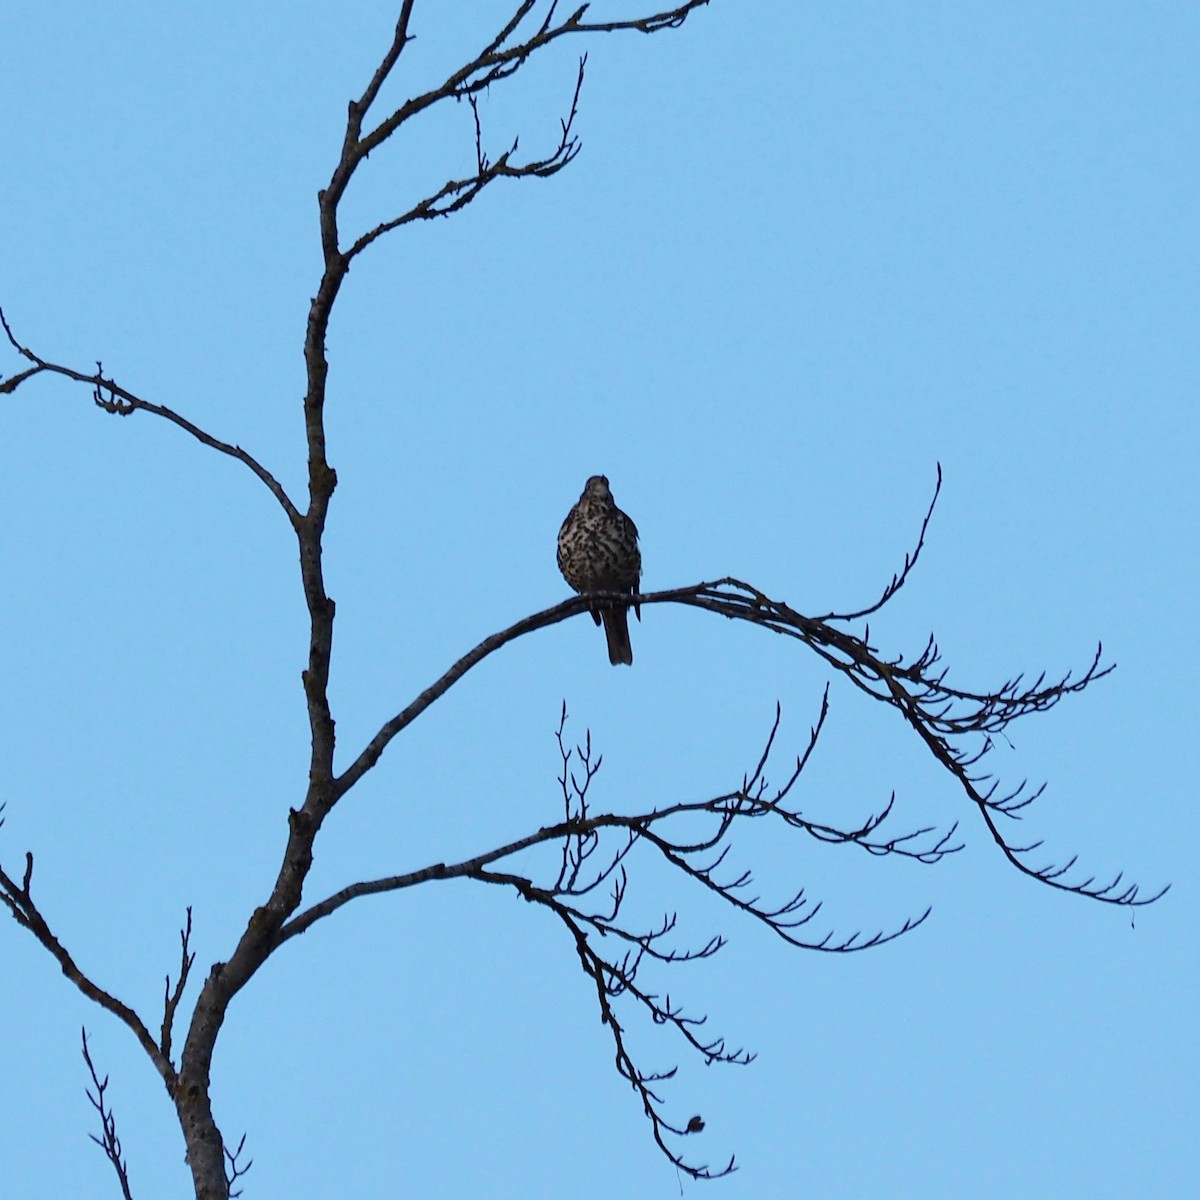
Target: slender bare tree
pixel 577 868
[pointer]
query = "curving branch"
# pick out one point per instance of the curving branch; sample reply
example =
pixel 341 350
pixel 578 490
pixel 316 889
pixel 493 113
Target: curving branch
pixel 901 577
pixel 587 886
pixel 957 725
pixel 113 398
pixel 578 836
pixel 18 899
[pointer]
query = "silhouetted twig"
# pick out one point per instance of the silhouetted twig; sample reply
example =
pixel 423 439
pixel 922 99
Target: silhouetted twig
pixel 172 996
pixel 108 1140
pixel 235 1170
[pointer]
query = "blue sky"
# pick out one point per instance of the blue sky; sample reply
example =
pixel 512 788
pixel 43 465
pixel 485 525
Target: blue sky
pixel 808 252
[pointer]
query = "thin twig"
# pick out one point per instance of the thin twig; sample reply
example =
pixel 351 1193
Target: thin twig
pixel 235 1170
pixel 108 1141
pixel 172 996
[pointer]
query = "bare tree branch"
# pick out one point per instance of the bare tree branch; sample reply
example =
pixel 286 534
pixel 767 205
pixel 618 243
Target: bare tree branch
pixel 584 866
pixel 358 108
pixel 958 726
pixel 458 193
pixel 498 61
pixel 110 396
pixel 898 580
pixel 234 1170
pixel 18 899
pixel 609 984
pixel 579 832
pixel 172 996
pixel 582 871
pixel 108 1140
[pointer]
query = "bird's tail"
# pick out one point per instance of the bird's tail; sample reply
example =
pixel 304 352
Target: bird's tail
pixel 616 629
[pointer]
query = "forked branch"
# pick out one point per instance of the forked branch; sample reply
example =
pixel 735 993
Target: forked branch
pixel 108 1141
pixel 585 882
pixel 18 899
pixel 172 996
pixel 500 59
pixel 958 726
pixel 235 1168
pixel 458 193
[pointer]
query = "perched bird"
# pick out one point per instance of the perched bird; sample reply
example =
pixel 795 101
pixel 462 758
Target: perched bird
pixel 598 552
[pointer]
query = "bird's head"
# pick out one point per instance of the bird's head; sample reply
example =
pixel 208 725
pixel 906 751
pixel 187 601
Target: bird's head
pixel 597 488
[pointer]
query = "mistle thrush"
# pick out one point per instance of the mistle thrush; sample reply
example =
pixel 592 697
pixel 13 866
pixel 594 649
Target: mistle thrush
pixel 598 552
